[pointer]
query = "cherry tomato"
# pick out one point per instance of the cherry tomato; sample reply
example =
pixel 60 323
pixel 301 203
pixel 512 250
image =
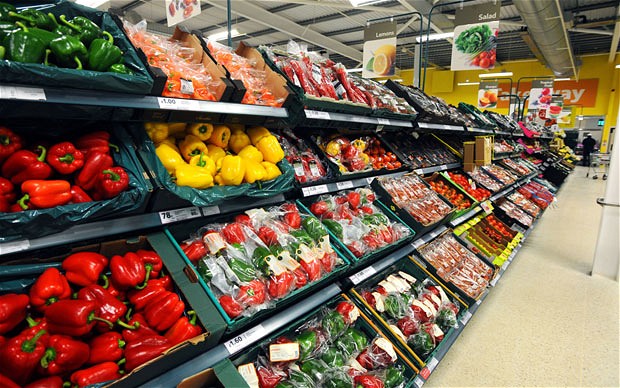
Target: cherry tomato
pixel 476 61
pixel 485 63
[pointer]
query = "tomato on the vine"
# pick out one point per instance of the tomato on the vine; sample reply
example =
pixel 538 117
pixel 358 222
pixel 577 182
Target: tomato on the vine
pixel 485 63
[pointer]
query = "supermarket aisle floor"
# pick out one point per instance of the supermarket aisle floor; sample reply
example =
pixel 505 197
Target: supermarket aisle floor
pixel 547 322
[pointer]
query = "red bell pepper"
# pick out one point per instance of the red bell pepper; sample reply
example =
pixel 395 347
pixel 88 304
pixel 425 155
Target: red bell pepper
pixel 106 347
pixel 10 143
pixel 164 310
pixel 79 196
pixel 194 250
pixel 107 306
pixel 12 311
pixel 312 268
pixel 110 183
pixel 99 373
pixel 348 311
pixel 143 329
pixel 63 354
pixel 34 327
pixel 291 215
pixel 144 349
pixel 128 271
pixel 65 158
pixel 93 165
pixel 183 329
pixel 232 308
pixel 73 317
pixel 24 165
pixel 368 381
pixel 268 235
pixel 95 142
pixel 280 285
pixel 49 288
pixel 20 356
pixel 84 268
pixel 6 382
pixel 141 298
pixel 7 194
pixel 45 194
pixel 233 233
pixel 47 382
pixel 152 262
pixel 252 294
pixel 164 281
pixel 245 220
pixel 114 288
pixel 267 377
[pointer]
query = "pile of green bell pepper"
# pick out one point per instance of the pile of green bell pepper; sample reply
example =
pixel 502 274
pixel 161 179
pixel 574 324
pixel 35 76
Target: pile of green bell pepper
pixel 32 36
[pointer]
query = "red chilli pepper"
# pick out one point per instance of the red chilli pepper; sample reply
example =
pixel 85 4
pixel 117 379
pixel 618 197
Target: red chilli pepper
pixel 98 141
pixel 110 183
pixel 162 312
pixel 73 317
pixel 84 268
pixel 65 158
pixel 45 194
pixel 49 288
pixel 183 329
pixel 46 382
pixel 99 373
pixel 13 308
pixel 10 143
pixel 144 349
pixel 79 196
pixel 107 306
pixel 24 165
pixel 128 271
pixel 20 356
pixel 106 347
pixel 63 354
pixel 93 165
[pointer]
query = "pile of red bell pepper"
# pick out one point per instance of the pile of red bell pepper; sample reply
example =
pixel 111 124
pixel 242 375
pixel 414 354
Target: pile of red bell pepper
pixel 38 177
pixel 91 321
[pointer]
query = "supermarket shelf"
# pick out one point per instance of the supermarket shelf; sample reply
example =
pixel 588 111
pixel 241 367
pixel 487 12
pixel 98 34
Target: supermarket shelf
pixel 432 169
pixel 480 130
pixel 444 127
pixel 309 191
pixel 428 237
pixel 379 266
pixel 470 214
pixel 503 133
pixel 129 224
pixel 236 344
pixel 317 118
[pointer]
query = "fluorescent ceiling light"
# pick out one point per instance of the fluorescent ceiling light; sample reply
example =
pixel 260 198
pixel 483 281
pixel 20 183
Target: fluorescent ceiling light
pixel 579 117
pixel 356 70
pixel 224 35
pixel 495 75
pixel 91 3
pixel 562 79
pixel 435 37
pixel 617 66
pixel 358 3
pixel 468 83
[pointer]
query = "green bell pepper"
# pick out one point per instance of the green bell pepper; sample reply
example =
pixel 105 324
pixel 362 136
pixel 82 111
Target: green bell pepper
pixel 300 379
pixel 307 344
pixel 2 52
pixel 314 368
pixel 45 35
pixel 333 357
pixel 334 227
pixel 393 307
pixel 337 379
pixel 346 345
pixel 244 271
pixel 394 377
pixel 446 319
pixel 333 323
pixel 33 17
pixel 357 337
pixel 6 29
pixel 60 29
pixel 375 219
pixel 69 51
pixel 120 68
pixel 5 8
pixel 421 342
pixel 85 29
pixel 285 384
pixel 25 47
pixel 258 259
pixel 302 237
pixel 313 227
pixel 103 53
pixel 204 271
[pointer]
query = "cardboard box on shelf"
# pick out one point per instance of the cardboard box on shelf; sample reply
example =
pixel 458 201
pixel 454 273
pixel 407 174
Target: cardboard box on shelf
pixel 484 150
pixel 469 148
pixel 469 167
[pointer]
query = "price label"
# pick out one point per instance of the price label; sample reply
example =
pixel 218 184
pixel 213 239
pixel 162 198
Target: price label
pixel 315 114
pixel 466 317
pixel 432 364
pixel 314 190
pixel 487 207
pixel 418 382
pixel 384 121
pixel 169 216
pixel 167 103
pixel 423 125
pixel 417 243
pixel 22 93
pixel 363 275
pixel 369 180
pixel 178 104
pixel 245 339
pixel 14 246
pixel 419 171
pixel 448 127
pixel 210 210
pixel 344 185
pixel 505 265
pixel 494 281
pixel 443 167
pixel 478 302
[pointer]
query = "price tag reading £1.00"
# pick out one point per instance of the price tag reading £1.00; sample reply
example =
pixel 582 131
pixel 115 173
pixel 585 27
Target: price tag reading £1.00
pixel 244 339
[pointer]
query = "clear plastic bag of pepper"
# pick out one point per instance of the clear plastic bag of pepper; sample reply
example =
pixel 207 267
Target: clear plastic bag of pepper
pixel 307 164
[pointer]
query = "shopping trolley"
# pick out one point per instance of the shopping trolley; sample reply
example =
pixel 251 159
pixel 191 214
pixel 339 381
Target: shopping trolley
pixel 599 164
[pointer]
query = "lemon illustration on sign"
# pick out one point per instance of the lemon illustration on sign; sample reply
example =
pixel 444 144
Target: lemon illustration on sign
pixel 381 63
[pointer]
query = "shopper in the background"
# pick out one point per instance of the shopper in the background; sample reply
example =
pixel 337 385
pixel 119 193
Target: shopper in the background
pixel 588 148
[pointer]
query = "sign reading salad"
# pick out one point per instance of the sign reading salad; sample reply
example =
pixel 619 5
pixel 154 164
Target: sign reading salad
pixel 379 50
pixel 475 37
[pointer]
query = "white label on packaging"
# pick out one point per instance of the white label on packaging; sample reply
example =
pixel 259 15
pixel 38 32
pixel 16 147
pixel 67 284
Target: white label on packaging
pixel 486 205
pixel 214 242
pixel 169 216
pixel 466 317
pixel 344 185
pixel 187 87
pixel 210 210
pixel 287 261
pixel 248 372
pixel 315 114
pixel 14 246
pixel 314 169
pixel 274 265
pixel 299 169
pixel 245 339
pixel 22 93
pixel 314 190
pixel 284 352
pixel 448 127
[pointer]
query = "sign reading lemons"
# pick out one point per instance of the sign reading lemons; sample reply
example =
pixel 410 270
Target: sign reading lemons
pixel 487 94
pixel 379 50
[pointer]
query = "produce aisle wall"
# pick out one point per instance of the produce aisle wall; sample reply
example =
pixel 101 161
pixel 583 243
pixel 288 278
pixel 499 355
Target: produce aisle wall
pixel 547 323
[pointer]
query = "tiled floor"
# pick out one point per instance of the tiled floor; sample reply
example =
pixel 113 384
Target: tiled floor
pixel 547 323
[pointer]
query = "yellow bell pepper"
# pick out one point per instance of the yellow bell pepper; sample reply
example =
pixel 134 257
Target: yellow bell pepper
pixel 272 171
pixel 231 171
pixel 251 153
pixel 203 161
pixel 192 146
pixel 254 172
pixel 158 132
pixel 220 136
pixel 172 142
pixel 177 129
pixel 271 149
pixel 169 157
pixel 193 176
pixel 238 141
pixel 257 133
pixel 202 130
pixel 216 153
